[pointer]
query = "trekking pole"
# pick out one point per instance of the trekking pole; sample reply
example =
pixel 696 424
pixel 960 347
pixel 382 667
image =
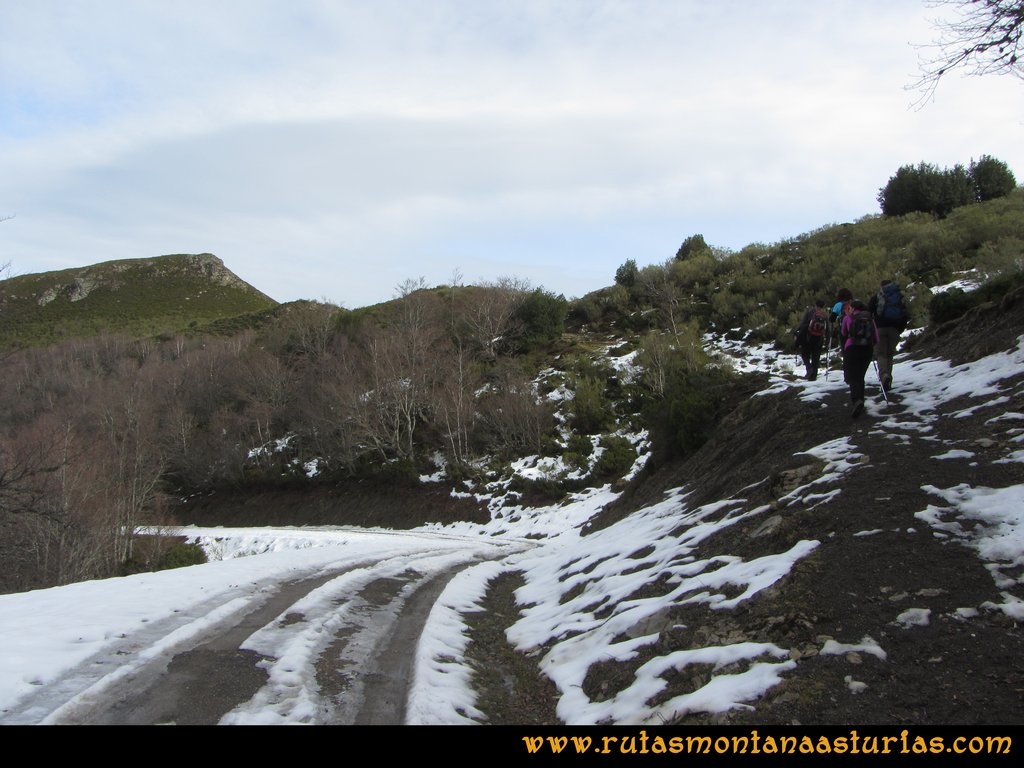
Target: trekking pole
pixel 828 351
pixel 885 395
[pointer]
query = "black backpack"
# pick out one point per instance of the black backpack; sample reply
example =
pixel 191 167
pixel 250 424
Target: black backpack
pixel 862 328
pixel 889 304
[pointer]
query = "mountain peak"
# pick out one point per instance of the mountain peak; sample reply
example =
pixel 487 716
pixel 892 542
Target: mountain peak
pixel 135 296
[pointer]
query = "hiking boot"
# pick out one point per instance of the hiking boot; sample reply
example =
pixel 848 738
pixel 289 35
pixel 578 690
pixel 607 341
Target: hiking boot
pixel 858 409
pixel 887 382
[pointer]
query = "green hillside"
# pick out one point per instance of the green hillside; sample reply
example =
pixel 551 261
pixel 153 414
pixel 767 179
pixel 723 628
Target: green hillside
pixel 134 296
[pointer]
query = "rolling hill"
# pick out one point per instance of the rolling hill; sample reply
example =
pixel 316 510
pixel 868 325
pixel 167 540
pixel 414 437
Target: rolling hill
pixel 137 297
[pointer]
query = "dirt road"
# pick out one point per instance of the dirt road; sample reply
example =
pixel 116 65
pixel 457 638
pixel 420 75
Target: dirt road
pixel 358 625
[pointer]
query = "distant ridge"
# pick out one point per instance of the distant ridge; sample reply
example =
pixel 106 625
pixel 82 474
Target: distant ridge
pixel 133 296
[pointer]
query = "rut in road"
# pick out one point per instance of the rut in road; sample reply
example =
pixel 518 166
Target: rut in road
pixel 366 673
pixel 358 629
pixel 198 686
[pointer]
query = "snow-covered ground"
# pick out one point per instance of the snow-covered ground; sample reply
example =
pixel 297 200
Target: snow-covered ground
pixel 585 595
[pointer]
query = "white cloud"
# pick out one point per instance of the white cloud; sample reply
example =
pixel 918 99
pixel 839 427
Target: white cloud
pixel 554 141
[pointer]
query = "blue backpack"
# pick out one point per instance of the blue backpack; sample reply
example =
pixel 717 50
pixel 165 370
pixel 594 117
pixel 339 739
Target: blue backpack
pixel 889 305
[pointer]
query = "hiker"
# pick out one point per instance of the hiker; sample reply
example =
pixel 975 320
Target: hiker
pixel 891 317
pixel 809 337
pixel 858 336
pixel 840 309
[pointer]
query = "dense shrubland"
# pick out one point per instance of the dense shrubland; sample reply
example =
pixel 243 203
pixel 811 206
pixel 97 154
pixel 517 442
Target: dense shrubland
pixel 762 290
pixel 98 436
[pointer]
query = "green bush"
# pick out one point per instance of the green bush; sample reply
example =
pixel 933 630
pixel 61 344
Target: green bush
pixel 181 555
pixel 953 303
pixel 992 178
pixel 591 411
pixel 580 444
pixel 1005 256
pixel 949 305
pixel 541 319
pixel 626 274
pixel 544 490
pixel 682 421
pixel 616 459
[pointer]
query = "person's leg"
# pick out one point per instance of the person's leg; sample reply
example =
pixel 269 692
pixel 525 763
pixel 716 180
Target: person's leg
pixel 815 358
pixel 894 341
pixel 881 354
pixel 859 360
pixel 885 350
pixel 857 381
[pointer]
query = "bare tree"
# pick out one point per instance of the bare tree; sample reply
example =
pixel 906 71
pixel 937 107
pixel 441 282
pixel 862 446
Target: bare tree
pixel 515 421
pixel 489 316
pixel 985 38
pixel 454 402
pixel 664 294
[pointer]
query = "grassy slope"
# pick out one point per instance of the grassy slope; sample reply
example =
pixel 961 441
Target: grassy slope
pixel 139 296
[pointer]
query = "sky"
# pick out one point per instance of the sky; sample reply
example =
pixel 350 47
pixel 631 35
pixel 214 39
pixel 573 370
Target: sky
pixel 66 646
pixel 333 149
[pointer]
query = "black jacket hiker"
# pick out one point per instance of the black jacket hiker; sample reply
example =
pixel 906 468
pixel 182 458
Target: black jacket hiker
pixel 810 336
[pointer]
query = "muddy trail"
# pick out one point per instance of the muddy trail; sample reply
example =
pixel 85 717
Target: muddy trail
pixel 362 676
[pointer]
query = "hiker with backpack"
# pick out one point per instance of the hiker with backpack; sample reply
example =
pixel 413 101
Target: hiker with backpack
pixel 810 335
pixel 891 317
pixel 839 310
pixel 858 336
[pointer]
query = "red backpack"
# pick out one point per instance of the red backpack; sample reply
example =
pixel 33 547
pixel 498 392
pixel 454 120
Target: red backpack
pixel 818 322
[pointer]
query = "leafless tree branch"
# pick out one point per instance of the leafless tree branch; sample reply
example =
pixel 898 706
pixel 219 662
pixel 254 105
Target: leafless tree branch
pixel 983 39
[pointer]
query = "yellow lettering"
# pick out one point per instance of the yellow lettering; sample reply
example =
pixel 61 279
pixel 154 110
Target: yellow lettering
pixel 702 743
pixel 999 745
pixel 557 743
pixel 658 746
pixel 854 743
pixel 582 743
pixel 533 743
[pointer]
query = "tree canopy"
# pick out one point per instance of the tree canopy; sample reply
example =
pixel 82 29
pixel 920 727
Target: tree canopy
pixel 925 188
pixel 691 246
pixel 992 178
